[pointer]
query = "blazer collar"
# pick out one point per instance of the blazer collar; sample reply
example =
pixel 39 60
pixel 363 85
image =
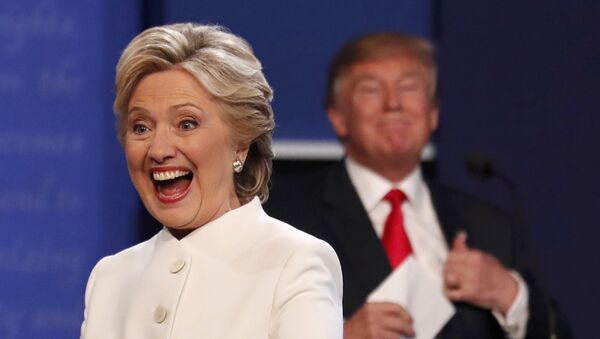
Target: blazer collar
pixel 225 236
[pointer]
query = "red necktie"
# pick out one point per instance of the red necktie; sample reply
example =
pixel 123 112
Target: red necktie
pixel 395 241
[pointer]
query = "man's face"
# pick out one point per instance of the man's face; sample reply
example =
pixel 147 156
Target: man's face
pixel 384 114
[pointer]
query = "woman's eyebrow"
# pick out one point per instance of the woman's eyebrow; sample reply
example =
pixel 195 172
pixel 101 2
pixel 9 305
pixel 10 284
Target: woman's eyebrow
pixel 136 109
pixel 186 104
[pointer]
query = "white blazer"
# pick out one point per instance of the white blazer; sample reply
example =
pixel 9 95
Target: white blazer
pixel 243 275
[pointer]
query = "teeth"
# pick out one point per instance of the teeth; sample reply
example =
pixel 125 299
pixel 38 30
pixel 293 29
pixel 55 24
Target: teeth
pixel 168 175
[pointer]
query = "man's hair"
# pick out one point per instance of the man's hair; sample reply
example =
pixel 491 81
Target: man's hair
pixel 226 67
pixel 375 46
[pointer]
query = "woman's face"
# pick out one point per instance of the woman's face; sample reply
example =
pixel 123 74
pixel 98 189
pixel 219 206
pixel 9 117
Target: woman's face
pixel 179 151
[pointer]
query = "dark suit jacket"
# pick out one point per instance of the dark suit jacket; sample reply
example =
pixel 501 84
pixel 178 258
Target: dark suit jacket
pixel 326 205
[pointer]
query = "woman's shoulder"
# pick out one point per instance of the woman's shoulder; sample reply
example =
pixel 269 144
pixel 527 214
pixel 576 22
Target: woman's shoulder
pixel 305 261
pixel 283 235
pixel 283 231
pixel 125 257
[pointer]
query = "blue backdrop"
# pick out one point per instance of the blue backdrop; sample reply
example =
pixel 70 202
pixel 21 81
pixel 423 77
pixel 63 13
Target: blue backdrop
pixel 295 41
pixel 518 81
pixel 65 199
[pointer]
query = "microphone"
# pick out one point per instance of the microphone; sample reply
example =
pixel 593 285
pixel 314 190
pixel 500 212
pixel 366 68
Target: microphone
pixel 481 167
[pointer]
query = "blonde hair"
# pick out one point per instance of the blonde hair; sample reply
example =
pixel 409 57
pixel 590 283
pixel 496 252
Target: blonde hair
pixel 377 46
pixel 226 66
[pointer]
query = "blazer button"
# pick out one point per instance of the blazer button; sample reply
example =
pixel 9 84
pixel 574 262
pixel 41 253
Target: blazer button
pixel 177 266
pixel 160 314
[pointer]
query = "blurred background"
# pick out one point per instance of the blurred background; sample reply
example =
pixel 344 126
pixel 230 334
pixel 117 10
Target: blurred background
pixel 519 82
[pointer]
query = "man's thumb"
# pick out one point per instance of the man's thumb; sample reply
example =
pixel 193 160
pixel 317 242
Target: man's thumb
pixel 460 242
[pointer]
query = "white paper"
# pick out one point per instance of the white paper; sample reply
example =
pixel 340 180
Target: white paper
pixel 411 286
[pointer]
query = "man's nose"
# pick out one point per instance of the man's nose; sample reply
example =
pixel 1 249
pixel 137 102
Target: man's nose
pixel 162 147
pixel 392 100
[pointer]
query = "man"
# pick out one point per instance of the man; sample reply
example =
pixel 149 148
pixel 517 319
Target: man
pixel 381 102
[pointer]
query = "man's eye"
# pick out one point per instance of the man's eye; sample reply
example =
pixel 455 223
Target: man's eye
pixel 139 129
pixel 188 124
pixel 410 86
pixel 368 90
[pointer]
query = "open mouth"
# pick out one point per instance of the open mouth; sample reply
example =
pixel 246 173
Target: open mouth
pixel 171 185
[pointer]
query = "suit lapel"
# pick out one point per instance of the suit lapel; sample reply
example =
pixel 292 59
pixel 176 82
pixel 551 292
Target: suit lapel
pixel 357 241
pixel 446 213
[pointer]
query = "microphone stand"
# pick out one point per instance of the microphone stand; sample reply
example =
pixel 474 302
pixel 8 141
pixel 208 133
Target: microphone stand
pixel 481 167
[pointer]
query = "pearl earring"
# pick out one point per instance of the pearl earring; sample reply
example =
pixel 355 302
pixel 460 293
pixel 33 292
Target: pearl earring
pixel 238 166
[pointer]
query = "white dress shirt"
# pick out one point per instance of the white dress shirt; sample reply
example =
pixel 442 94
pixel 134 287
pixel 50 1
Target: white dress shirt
pixel 424 231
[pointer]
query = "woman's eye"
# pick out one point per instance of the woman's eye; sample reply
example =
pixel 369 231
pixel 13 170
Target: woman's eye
pixel 188 124
pixel 139 128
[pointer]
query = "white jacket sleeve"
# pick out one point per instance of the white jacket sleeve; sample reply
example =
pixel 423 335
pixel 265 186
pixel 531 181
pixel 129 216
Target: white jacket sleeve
pixel 308 295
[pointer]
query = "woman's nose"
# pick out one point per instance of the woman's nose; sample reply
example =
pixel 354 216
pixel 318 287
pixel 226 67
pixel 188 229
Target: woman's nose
pixel 162 147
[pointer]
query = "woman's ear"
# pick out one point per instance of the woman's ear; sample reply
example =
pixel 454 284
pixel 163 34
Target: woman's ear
pixel 241 155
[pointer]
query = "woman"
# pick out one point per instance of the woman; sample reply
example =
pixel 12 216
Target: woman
pixel 195 122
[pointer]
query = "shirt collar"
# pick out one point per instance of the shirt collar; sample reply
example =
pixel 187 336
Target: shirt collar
pixel 372 187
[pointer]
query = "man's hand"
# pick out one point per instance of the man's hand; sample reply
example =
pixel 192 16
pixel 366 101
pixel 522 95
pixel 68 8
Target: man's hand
pixel 380 320
pixel 478 278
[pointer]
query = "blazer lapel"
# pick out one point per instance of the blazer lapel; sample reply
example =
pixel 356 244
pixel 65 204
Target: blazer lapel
pixel 446 213
pixel 352 229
